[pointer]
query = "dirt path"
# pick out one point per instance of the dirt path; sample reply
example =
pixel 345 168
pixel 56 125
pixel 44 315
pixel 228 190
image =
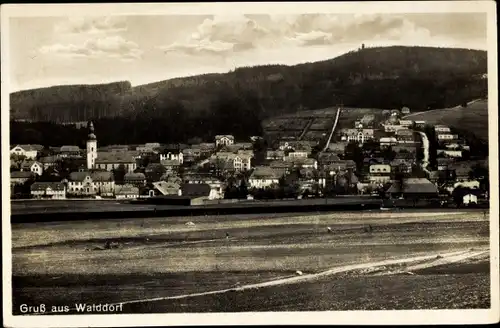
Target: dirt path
pixel 452 256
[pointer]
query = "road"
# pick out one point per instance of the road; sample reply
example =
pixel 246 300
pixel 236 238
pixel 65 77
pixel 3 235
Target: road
pixel 333 128
pixel 425 161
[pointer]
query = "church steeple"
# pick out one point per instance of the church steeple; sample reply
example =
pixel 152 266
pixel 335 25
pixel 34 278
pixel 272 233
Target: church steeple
pixel 91 147
pixel 91 132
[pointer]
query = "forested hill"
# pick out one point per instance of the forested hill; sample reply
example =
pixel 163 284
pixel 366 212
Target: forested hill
pixel 66 103
pixel 238 101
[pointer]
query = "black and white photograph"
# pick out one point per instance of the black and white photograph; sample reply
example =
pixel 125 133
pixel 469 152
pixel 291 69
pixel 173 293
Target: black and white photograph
pixel 249 163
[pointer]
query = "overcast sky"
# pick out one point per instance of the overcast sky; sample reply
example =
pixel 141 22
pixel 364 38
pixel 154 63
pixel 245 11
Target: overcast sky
pixel 47 51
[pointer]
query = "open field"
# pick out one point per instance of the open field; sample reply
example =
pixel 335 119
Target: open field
pixel 164 265
pixel 473 118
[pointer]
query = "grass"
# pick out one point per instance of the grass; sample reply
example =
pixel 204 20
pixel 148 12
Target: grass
pixel 473 118
pixel 163 257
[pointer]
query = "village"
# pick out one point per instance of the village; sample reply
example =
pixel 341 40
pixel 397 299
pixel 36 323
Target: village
pixel 394 158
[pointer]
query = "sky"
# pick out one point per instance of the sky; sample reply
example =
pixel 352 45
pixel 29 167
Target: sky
pixel 46 51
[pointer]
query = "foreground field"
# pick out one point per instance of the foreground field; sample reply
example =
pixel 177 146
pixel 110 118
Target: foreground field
pixel 249 263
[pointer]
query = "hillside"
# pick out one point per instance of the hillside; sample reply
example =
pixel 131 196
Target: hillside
pixel 237 102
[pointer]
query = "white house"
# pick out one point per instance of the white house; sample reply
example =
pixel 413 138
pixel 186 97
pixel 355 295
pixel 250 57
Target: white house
pixel 298 154
pixel 388 141
pixel 358 135
pixel 29 151
pixel 224 140
pixel 33 166
pixel 172 156
pixel 405 123
pixel 441 129
pixel 263 176
pixel 393 127
pixel 380 173
pixel 104 183
pixel 126 192
pixel 81 183
pixel 469 199
pixel 53 190
pixel 450 153
pixel 446 136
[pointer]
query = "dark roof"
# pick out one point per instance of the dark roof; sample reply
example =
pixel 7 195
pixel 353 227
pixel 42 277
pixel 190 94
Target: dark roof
pixel 414 186
pixel 102 176
pixel 48 159
pixel 135 176
pixel 21 174
pixel 42 186
pixel 69 149
pixel 126 190
pixel 114 157
pixel 264 172
pixel 78 176
pixel 195 189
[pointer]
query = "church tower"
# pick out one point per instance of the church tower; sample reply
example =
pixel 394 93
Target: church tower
pixel 91 147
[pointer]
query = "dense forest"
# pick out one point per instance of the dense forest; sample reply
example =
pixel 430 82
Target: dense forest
pixel 237 102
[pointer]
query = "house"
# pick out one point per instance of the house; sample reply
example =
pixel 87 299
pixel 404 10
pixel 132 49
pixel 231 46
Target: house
pixel 300 146
pixel 405 136
pixel 190 155
pixel 172 155
pixel 28 151
pixel 81 184
pixel 298 154
pixel 337 147
pixel 388 142
pixel 281 167
pixel 197 192
pixel 419 188
pixel 420 124
pixel 340 165
pixel 166 188
pixel 114 160
pixel 446 137
pixel 441 129
pixel 405 111
pixel 380 173
pixel 473 184
pixel 455 153
pixel 52 190
pixel 237 162
pixel 224 140
pixel 405 148
pixel 263 176
pixel 444 163
pixel 20 177
pixel 406 123
pixel 149 148
pixel 392 127
pixel 104 182
pixel 326 158
pixel 126 192
pixel 70 152
pixel 33 166
pixel 115 148
pixel 275 155
pixel 358 135
pixel 469 199
pixel 403 162
pixel 239 146
pixel 303 162
pixel 136 179
pixel 48 161
pixel 170 165
pixel 216 188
